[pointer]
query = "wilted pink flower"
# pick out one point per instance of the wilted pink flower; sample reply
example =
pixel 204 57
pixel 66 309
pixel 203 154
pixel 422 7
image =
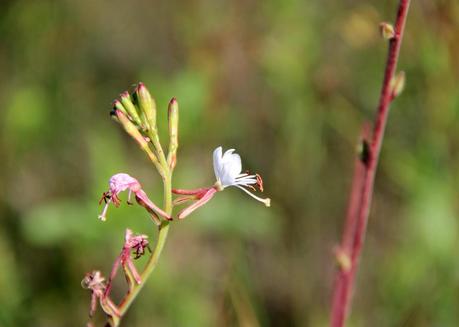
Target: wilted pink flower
pixel 138 243
pixel 132 244
pixel 122 182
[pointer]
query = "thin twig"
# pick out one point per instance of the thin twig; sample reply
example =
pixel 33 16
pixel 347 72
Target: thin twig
pixel 356 226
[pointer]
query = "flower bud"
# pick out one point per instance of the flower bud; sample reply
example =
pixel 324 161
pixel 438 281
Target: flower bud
pixel 387 30
pixel 130 108
pixel 118 105
pixel 147 105
pixel 131 129
pixel 343 259
pixel 398 84
pixel 173 117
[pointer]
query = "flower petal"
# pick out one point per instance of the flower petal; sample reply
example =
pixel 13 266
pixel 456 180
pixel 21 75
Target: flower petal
pixel 121 182
pixel 217 160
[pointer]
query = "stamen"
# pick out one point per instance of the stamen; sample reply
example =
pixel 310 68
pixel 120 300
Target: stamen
pixel 266 201
pixel 246 181
pixel 104 212
pixel 251 187
pixel 129 197
pixel 259 182
pixel 105 196
pixel 116 200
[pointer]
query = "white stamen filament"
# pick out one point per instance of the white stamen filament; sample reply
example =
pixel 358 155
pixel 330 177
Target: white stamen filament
pixel 266 201
pixel 129 196
pixel 104 212
pixel 245 180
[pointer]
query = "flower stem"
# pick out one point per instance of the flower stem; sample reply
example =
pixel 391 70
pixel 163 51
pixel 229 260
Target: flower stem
pixel 363 185
pixel 154 258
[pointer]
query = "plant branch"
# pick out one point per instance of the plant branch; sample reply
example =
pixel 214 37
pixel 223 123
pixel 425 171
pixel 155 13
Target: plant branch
pixel 154 258
pixel 356 222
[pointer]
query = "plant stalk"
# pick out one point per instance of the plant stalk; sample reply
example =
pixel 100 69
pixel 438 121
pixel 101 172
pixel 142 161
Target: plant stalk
pixel 363 184
pixel 154 258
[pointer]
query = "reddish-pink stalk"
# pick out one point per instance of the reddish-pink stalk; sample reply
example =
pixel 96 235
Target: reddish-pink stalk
pixel 356 194
pixel 363 184
pixel 344 251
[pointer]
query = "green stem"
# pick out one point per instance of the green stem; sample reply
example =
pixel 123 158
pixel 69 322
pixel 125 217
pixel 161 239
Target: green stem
pixel 154 258
pixel 159 149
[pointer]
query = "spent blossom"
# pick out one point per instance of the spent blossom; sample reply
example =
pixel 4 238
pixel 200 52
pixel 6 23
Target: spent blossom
pixel 135 244
pixel 95 282
pixel 122 182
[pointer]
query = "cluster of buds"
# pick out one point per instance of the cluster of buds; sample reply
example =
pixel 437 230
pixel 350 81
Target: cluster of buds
pixel 136 112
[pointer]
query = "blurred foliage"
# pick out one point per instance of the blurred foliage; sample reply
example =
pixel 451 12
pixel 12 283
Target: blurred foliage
pixel 288 84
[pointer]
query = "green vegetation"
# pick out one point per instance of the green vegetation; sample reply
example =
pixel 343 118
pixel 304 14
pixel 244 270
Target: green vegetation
pixel 288 84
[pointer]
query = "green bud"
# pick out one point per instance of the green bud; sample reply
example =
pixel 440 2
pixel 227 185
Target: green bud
pixel 130 108
pixel 398 84
pixel 131 129
pixel 173 117
pixel 117 105
pixel 387 30
pixel 343 259
pixel 147 105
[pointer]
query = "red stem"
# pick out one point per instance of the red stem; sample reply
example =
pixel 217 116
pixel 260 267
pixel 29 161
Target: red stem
pixel 363 184
pixel 356 195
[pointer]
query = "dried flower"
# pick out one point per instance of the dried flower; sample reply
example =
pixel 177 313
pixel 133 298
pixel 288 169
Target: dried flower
pixel 122 182
pixel 136 243
pixel 95 282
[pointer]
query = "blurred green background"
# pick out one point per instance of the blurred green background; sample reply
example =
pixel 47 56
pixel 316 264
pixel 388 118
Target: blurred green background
pixel 288 84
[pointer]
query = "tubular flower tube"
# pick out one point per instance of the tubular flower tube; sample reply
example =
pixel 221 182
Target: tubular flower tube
pixel 227 168
pixel 122 182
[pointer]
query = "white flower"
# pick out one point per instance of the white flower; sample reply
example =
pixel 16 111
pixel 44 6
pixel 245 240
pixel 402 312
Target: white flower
pixel 228 167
